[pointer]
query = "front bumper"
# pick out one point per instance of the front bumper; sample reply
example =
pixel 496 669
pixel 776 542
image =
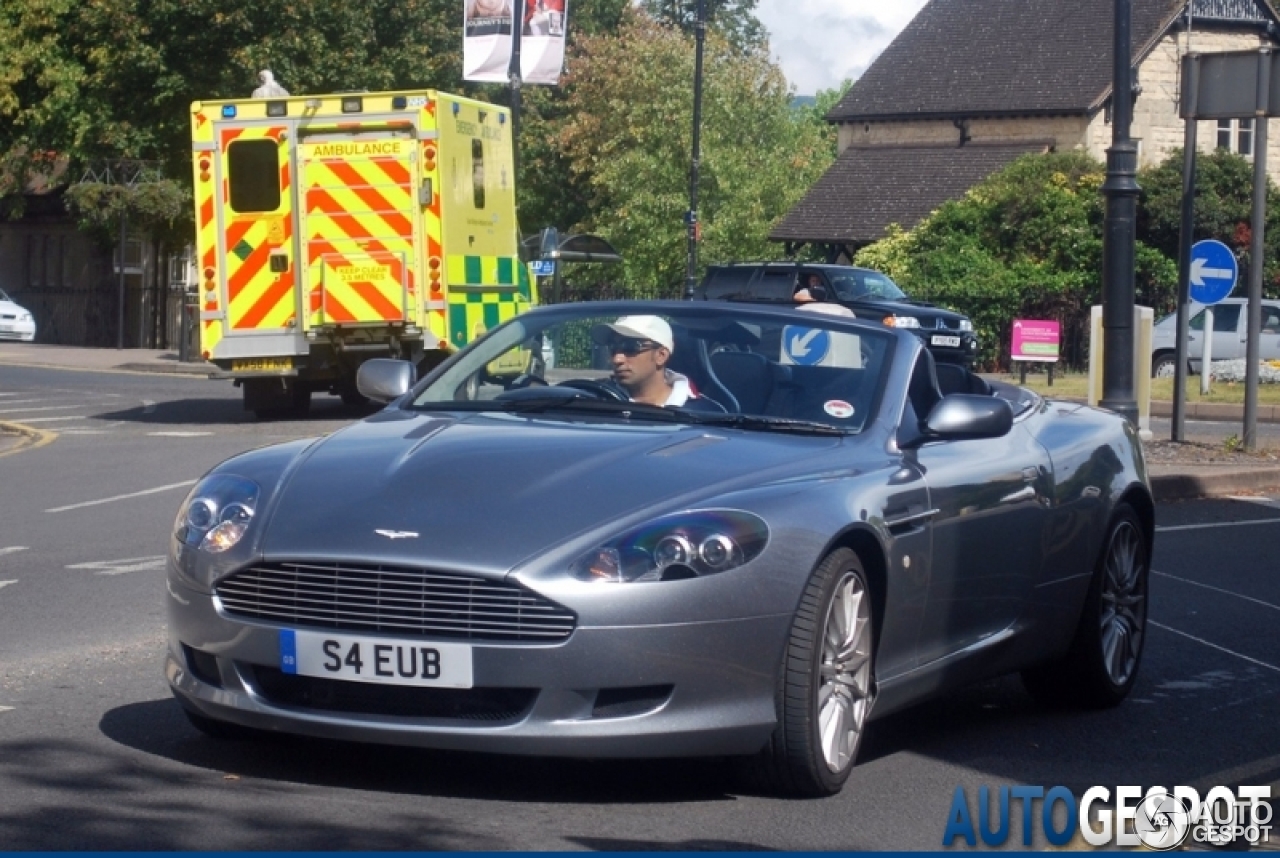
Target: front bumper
pixel 686 689
pixel 22 331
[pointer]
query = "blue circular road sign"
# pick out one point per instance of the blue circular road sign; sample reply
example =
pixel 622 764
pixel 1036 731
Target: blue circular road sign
pixel 806 346
pixel 1213 271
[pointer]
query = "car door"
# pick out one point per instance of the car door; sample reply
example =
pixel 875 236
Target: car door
pixel 1269 340
pixel 1228 334
pixel 988 498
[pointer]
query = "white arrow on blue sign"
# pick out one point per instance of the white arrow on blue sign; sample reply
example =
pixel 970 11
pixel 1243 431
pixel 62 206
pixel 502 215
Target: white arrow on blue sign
pixel 806 346
pixel 1213 271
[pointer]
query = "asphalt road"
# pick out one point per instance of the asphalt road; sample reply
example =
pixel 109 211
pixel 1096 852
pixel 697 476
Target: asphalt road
pixel 94 755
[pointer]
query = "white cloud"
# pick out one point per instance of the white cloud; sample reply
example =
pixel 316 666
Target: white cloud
pixel 819 43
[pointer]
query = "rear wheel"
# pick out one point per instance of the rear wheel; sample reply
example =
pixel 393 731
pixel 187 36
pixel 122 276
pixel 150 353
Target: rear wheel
pixel 825 689
pixel 1102 664
pixel 1164 365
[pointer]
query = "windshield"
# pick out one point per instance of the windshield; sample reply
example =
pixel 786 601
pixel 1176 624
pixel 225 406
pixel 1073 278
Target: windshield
pixel 4 296
pixel 724 365
pixel 852 285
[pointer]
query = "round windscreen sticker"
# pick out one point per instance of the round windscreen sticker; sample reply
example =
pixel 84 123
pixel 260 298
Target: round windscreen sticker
pixel 838 408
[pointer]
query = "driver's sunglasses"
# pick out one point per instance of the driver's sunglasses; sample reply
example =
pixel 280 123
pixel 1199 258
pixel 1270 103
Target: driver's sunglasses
pixel 631 348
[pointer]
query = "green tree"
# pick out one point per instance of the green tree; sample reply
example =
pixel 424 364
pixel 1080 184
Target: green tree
pixel 1223 209
pixel 733 20
pixel 1024 243
pixel 627 136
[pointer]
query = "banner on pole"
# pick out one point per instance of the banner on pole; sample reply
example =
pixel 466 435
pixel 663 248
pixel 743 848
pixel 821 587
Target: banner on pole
pixel 488 33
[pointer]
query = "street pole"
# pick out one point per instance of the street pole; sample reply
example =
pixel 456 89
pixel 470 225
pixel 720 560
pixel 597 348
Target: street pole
pixel 691 217
pixel 1256 253
pixel 515 78
pixel 1121 193
pixel 1186 238
pixel 120 281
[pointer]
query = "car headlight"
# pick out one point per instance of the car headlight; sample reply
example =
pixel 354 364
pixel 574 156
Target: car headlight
pixel 25 317
pixel 217 513
pixel 687 545
pixel 966 325
pixel 902 321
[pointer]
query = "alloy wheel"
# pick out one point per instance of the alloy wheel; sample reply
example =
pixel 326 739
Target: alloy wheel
pixel 844 691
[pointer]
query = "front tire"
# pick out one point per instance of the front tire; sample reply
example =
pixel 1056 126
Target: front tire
pixel 1102 665
pixel 826 683
pixel 1164 365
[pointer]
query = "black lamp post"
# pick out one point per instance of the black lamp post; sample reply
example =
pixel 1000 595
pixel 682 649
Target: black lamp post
pixel 691 217
pixel 1121 193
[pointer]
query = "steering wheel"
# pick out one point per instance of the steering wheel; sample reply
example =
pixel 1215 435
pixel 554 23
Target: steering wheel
pixel 597 388
pixel 526 379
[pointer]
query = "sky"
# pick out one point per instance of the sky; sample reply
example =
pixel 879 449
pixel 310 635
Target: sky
pixel 820 43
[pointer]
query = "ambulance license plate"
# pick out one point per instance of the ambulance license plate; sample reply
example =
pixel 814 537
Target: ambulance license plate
pixel 261 364
pixel 380 660
pixel 939 340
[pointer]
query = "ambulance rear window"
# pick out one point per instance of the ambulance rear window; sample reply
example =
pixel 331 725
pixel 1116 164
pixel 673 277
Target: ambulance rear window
pixel 254 176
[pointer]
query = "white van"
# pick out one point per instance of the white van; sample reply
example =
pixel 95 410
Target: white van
pixel 1230 335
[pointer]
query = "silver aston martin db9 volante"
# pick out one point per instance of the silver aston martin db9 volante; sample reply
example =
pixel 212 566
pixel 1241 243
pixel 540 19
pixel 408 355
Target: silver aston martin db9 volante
pixel 663 529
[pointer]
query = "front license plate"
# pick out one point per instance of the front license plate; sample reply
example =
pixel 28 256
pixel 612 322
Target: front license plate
pixel 258 364
pixel 6 327
pixel 953 342
pixel 361 659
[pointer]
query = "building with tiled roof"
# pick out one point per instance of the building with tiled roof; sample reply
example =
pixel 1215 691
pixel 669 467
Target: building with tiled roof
pixel 970 85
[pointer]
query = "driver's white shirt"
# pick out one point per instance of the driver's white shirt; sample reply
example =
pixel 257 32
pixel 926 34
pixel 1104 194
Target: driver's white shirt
pixel 681 392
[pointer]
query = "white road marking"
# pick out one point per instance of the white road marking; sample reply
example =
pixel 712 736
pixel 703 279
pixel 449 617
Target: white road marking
pixel 1171 528
pixel 119 567
pixel 1218 590
pixel 4 584
pixel 84 432
pixel 182 485
pixel 30 410
pixel 179 434
pixel 1215 646
pixel 54 419
pixel 148 406
pixel 6 708
pixel 13 549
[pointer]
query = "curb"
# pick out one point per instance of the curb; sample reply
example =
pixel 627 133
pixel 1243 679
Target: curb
pixel 1170 487
pixel 191 370
pixel 196 369
pixel 29 438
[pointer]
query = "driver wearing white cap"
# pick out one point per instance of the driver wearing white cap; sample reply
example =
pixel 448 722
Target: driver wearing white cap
pixel 639 348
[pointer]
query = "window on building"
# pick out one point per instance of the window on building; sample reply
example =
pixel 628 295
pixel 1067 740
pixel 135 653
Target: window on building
pixel 1236 135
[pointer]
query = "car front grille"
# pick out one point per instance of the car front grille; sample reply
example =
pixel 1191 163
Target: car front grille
pixel 393 600
pixel 366 698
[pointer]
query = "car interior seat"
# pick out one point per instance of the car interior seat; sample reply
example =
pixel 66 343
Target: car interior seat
pixel 954 378
pixel 923 391
pixel 749 376
pixel 690 359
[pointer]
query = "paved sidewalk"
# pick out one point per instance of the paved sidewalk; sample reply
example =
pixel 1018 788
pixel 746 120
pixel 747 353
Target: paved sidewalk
pixel 1169 481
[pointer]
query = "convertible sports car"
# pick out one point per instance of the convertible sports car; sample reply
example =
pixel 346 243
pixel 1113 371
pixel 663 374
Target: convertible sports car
pixel 818 528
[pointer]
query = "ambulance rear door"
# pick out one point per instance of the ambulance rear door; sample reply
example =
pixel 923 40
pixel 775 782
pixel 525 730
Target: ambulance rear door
pixel 255 241
pixel 358 204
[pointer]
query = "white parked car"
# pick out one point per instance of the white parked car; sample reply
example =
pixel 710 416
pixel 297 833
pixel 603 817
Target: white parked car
pixel 1230 335
pixel 15 322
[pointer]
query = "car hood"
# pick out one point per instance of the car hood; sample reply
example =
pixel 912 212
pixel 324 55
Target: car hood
pixel 484 492
pixel 921 309
pixel 10 307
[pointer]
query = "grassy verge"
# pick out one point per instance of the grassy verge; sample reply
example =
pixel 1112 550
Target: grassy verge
pixel 1076 386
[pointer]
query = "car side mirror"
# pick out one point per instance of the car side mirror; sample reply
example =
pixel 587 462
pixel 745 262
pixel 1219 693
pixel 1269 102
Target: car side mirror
pixel 383 379
pixel 963 416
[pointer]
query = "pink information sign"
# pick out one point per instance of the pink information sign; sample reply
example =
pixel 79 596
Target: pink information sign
pixel 1036 340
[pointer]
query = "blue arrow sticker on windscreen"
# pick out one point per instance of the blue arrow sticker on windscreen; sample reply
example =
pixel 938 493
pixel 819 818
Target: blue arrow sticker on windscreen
pixel 288 652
